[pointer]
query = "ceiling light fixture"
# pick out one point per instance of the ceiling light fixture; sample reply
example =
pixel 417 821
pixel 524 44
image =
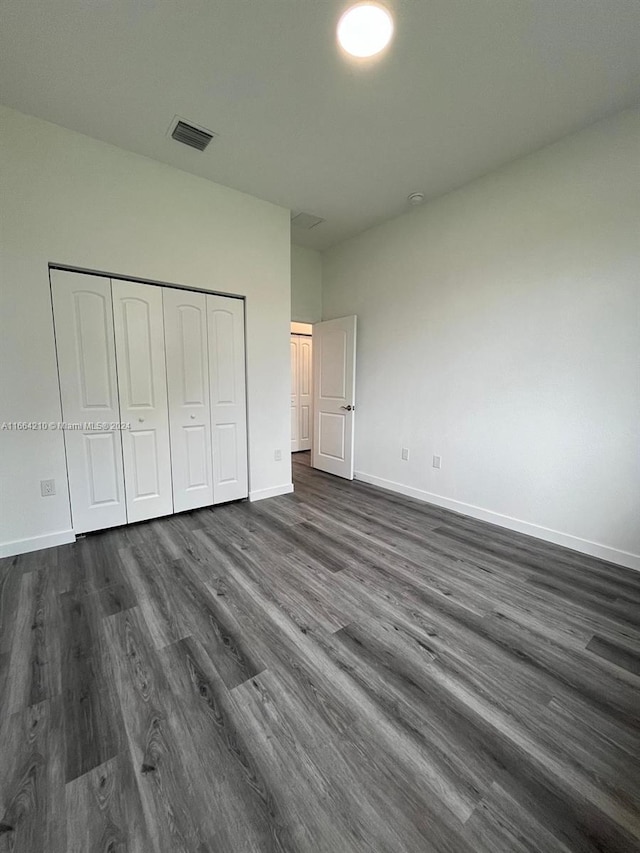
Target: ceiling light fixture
pixel 365 29
pixel 416 198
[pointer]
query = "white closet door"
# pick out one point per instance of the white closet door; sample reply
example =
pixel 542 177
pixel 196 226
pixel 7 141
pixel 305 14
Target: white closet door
pixel 295 406
pixel 185 328
pixel 87 364
pixel 225 318
pixel 305 393
pixel 142 386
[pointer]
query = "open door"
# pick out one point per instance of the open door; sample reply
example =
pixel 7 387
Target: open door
pixel 334 382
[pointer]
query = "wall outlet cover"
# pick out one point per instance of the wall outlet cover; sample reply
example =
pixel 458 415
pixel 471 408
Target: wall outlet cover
pixel 277 455
pixel 47 488
pixel 437 462
pixel 405 454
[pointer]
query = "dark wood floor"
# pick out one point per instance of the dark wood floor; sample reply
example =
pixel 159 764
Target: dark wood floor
pixel 340 670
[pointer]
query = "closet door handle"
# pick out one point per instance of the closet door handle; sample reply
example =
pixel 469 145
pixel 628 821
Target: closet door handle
pixel 193 417
pixel 348 408
pixel 141 420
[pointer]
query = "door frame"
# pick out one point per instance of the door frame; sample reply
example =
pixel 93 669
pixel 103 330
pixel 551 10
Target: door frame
pixel 293 334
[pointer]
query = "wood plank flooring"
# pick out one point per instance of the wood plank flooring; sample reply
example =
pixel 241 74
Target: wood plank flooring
pixel 341 670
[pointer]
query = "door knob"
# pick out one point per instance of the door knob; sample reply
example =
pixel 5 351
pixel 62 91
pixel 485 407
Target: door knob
pixel 348 408
pixel 141 420
pixel 193 417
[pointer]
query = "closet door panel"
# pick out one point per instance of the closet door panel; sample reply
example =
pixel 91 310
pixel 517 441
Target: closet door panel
pixel 102 457
pixel 305 392
pixel 142 385
pixel 225 321
pixel 197 456
pixel 185 316
pixel 83 318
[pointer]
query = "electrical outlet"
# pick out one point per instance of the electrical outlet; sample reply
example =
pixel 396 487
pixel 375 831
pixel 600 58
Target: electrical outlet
pixel 277 455
pixel 47 488
pixel 437 462
pixel 405 454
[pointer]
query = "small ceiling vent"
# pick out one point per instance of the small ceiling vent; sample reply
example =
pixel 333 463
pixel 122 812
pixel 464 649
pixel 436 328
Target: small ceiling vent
pixel 189 134
pixel 306 221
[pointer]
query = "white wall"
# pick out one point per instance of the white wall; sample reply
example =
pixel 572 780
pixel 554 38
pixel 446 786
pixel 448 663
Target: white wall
pixel 68 199
pixel 306 285
pixel 499 327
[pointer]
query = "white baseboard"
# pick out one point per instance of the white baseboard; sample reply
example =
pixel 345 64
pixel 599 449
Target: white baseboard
pixel 273 492
pixel 37 543
pixel 584 546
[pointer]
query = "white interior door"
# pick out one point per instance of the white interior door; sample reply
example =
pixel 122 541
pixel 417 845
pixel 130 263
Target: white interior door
pixel 185 325
pixel 334 379
pixel 295 406
pixel 225 321
pixel 142 386
pixel 85 346
pixel 305 396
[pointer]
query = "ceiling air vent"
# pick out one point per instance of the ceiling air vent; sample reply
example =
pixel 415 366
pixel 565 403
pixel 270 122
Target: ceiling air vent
pixel 306 221
pixel 188 134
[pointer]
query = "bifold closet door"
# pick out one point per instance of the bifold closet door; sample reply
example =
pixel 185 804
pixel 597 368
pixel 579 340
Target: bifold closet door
pixel 305 394
pixel 185 328
pixel 225 321
pixel 142 386
pixel 301 392
pixel 88 384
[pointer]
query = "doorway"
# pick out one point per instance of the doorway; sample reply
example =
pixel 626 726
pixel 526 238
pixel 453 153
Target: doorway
pixel 301 387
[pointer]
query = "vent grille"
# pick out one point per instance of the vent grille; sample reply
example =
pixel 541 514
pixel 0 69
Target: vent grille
pixel 194 137
pixel 306 221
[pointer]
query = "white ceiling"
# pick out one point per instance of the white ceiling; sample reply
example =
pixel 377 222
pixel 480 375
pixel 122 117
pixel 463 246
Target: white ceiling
pixel 467 86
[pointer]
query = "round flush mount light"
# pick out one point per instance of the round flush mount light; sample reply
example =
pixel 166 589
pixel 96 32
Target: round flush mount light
pixel 415 199
pixel 365 29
